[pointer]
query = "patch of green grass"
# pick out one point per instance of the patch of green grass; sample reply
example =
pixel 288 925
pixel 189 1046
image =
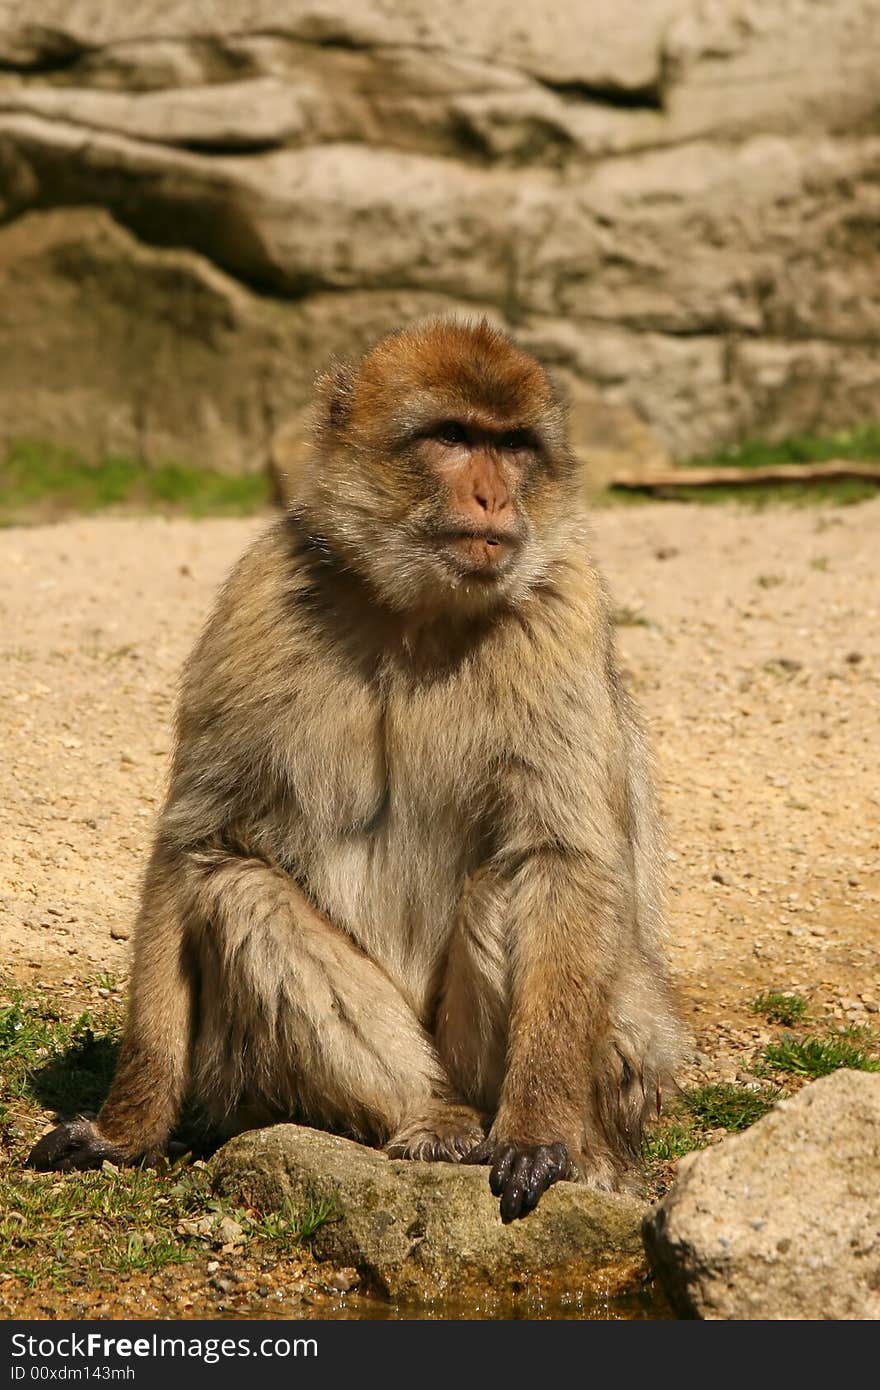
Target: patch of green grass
pixel 724 1105
pixel 780 1007
pixel 670 1140
pixel 816 1056
pixel 861 443
pixel 698 1114
pixel 62 1065
pixel 624 616
pixel 290 1226
pixel 83 1229
pixel 41 482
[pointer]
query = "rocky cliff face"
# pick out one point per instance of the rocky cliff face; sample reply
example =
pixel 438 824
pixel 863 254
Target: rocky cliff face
pixel 675 202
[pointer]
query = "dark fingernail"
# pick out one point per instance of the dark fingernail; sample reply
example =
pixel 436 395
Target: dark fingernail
pixel 511 1203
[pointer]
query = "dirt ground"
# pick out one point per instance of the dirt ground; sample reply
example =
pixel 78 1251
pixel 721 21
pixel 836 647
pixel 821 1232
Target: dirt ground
pixel 753 643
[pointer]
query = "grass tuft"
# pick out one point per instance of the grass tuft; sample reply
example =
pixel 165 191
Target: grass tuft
pixel 779 1006
pixel 724 1105
pixel 671 1140
pixel 290 1226
pixel 814 1057
pixel 699 1114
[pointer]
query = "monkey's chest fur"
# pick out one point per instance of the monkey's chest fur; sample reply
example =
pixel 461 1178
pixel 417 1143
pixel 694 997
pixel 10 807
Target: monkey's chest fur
pixel 388 820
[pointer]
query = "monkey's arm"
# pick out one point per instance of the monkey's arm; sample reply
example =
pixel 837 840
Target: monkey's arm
pixel 152 1071
pixel 564 846
pixel 563 913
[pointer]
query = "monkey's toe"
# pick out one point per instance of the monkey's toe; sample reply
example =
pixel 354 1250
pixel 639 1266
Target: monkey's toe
pixel 73 1144
pixel 447 1136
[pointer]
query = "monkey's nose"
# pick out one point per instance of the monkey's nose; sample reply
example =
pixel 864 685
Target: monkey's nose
pixel 492 501
pixel 486 498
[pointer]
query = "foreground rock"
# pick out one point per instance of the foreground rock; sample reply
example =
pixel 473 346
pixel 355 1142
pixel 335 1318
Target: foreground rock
pixel 421 1231
pixel 784 1220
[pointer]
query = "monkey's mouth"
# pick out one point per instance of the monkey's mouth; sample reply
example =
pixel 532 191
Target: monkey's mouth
pixel 481 555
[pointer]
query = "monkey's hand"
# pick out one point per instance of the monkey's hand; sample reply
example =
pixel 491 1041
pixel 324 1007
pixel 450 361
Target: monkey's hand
pixel 521 1173
pixel 74 1144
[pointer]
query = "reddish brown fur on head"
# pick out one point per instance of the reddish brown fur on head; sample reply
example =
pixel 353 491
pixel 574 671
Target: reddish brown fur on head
pixel 442 470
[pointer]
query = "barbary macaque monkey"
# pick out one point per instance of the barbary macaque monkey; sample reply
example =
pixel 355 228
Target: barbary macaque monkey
pixel 405 883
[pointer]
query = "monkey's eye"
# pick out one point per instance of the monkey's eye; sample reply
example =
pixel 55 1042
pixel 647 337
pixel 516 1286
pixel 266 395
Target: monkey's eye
pixel 513 440
pixel 450 432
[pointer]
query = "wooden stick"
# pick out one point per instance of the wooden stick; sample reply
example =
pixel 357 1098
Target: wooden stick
pixel 743 477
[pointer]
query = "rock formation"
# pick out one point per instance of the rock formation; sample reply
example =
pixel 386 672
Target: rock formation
pixel 675 202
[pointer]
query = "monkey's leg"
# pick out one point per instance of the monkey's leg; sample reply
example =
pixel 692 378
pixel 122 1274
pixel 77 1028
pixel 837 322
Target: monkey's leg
pixel 152 1071
pixel 297 1021
pixel 470 1024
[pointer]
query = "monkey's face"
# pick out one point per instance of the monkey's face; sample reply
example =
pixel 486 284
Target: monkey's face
pixel 467 527
pixel 450 479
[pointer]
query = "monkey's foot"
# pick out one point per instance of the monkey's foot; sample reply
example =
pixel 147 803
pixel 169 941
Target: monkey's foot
pixel 74 1144
pixel 521 1173
pixel 445 1134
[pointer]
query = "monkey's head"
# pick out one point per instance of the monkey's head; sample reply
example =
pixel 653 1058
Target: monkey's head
pixel 441 471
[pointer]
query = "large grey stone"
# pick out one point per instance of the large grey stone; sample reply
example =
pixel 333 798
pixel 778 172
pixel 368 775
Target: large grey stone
pixel 425 1231
pixel 782 1221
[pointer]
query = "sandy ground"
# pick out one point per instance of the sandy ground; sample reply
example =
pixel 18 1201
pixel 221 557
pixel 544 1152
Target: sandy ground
pixel 756 657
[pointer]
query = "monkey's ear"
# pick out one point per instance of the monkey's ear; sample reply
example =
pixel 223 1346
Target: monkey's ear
pixel 560 392
pixel 334 392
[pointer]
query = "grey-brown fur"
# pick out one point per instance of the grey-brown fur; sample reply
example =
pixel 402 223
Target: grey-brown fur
pixel 406 881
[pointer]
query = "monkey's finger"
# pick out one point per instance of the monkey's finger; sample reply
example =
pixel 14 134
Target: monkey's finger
pixel 74 1144
pixel 516 1187
pixel 537 1179
pixel 500 1173
pixel 531 1197
pixel 559 1161
pixel 463 1145
pixel 549 1165
pixel 481 1153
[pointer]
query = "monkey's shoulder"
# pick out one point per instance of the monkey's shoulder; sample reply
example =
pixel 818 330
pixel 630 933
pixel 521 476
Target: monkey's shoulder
pixel 262 688
pixel 262 626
